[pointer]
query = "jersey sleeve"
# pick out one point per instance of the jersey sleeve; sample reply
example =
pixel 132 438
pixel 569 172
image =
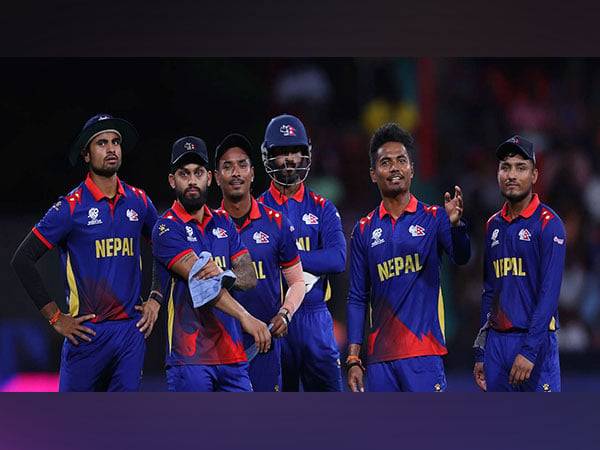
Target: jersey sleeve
pixel 287 251
pixel 169 243
pixel 150 219
pixel 487 294
pixel 453 239
pixel 55 225
pixel 552 262
pixel 358 294
pixel 331 257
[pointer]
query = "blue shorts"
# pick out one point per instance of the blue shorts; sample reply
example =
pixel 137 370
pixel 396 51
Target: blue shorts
pixel 112 361
pixel 416 374
pixel 209 378
pixel 501 350
pixel 265 368
pixel 309 353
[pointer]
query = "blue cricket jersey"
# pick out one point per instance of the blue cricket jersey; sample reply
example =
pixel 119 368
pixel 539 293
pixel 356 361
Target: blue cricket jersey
pixel 99 243
pixel 319 237
pixel 270 240
pixel 204 335
pixel 523 265
pixel 395 267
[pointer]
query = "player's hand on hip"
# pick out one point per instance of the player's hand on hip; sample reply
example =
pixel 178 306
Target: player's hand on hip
pixel 279 328
pixel 72 328
pixel 355 379
pixel 521 370
pixel 210 269
pixel 258 330
pixel 149 310
pixel 479 376
pixel 454 205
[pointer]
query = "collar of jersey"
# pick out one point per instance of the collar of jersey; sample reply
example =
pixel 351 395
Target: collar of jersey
pixel 411 207
pixel 526 213
pixel 280 199
pixel 185 217
pixel 97 193
pixel 253 215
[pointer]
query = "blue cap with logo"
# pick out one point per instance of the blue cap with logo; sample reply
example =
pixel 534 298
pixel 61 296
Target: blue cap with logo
pixel 516 144
pixel 101 123
pixel 285 131
pixel 188 149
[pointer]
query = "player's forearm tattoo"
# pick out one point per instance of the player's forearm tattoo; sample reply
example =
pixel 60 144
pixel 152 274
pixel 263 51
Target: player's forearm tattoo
pixel 244 270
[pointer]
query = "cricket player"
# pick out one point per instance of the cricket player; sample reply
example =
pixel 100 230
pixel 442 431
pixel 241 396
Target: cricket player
pixel 97 229
pixel 309 351
pixel 396 253
pixel 205 351
pixel 269 237
pixel 523 266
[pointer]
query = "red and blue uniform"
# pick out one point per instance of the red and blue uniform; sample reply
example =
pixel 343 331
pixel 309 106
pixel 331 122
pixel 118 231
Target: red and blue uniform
pixel 99 243
pixel 523 267
pixel 270 239
pixel 205 350
pixel 309 351
pixel 395 269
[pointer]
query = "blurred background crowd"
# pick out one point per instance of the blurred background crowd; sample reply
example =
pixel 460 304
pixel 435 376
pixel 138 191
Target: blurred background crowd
pixel 459 110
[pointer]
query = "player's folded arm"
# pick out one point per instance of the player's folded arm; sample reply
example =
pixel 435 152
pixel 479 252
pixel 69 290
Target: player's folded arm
pixel 242 266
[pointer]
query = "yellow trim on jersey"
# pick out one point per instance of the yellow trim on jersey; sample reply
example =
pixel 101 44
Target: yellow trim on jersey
pixel 170 315
pixel 73 294
pixel 327 291
pixel 441 314
pixel 552 326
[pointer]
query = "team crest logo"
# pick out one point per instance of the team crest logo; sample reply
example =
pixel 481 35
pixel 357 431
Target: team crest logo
pixel 495 237
pixel 132 215
pixel 190 234
pixel 93 216
pixel 376 237
pixel 162 229
pixel 524 235
pixel 260 237
pixel 310 219
pixel 189 146
pixel 287 130
pixel 220 233
pixel 416 230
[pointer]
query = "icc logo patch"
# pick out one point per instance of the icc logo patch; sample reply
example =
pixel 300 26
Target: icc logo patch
pixel 287 130
pixel 93 217
pixel 132 215
pixel 260 237
pixel 416 230
pixel 495 237
pixel 546 387
pixel 376 237
pixel 310 219
pixel 162 229
pixel 220 233
pixel 190 234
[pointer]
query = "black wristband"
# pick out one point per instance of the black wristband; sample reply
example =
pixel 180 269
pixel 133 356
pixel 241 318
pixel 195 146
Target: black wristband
pixel 354 363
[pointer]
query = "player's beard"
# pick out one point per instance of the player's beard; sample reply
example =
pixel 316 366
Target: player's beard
pixel 106 172
pixel 516 198
pixel 194 203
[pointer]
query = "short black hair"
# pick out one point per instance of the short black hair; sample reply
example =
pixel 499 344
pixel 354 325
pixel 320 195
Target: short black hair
pixel 390 132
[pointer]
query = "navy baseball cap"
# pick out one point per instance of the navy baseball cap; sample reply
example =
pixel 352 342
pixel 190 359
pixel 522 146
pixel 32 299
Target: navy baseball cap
pixel 516 144
pixel 230 141
pixel 101 123
pixel 188 149
pixel 285 131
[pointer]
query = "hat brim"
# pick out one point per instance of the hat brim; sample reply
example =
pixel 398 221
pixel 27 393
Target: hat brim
pixel 509 147
pixel 230 141
pixel 129 136
pixel 187 158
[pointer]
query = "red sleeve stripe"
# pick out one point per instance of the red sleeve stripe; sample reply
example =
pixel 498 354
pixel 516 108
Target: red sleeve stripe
pixel 178 257
pixel 42 238
pixel 238 254
pixel 291 263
